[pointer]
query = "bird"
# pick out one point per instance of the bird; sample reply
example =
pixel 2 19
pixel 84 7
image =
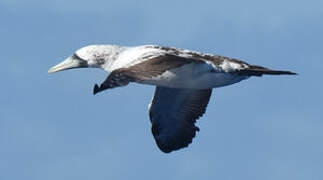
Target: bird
pixel 184 80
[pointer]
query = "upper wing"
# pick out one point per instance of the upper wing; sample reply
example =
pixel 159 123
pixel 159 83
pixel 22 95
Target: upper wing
pixel 143 71
pixel 173 113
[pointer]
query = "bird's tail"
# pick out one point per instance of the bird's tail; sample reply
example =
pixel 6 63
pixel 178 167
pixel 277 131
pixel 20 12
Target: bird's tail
pixel 253 70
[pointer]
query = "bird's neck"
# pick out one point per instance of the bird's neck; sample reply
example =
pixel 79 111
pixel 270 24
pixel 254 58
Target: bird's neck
pixel 112 57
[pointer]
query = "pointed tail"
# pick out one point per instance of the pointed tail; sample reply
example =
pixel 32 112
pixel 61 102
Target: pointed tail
pixel 253 70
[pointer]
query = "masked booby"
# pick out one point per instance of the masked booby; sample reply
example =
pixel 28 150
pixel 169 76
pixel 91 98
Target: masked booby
pixel 184 80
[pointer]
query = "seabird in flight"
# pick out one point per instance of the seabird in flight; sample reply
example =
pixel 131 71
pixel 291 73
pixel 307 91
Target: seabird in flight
pixel 184 80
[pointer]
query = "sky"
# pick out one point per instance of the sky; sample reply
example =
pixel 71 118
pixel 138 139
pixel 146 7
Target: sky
pixel 52 127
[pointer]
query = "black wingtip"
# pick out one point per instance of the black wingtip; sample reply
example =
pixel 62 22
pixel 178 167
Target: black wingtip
pixel 96 89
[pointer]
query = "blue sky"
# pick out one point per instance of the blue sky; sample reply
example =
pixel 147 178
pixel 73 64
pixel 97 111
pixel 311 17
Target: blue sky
pixel 52 127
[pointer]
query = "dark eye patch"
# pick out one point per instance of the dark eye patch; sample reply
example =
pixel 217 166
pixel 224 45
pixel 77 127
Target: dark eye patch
pixel 75 56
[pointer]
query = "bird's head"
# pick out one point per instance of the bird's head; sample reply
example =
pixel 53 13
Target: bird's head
pixel 94 56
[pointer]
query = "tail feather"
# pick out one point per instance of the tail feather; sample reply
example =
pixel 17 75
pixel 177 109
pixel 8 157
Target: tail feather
pixel 253 70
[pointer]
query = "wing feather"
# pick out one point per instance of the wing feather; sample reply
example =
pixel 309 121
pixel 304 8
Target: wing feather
pixel 173 113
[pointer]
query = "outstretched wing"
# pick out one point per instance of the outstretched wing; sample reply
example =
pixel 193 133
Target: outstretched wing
pixel 173 113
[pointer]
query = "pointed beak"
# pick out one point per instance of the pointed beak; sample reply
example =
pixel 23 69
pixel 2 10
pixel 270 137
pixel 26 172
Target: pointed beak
pixel 69 63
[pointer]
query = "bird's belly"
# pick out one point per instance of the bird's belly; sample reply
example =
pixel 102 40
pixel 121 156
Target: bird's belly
pixel 195 76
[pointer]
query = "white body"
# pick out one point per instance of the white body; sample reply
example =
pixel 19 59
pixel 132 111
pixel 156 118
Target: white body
pixel 195 76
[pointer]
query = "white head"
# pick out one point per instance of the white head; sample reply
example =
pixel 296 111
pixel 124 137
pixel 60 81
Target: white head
pixel 89 56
